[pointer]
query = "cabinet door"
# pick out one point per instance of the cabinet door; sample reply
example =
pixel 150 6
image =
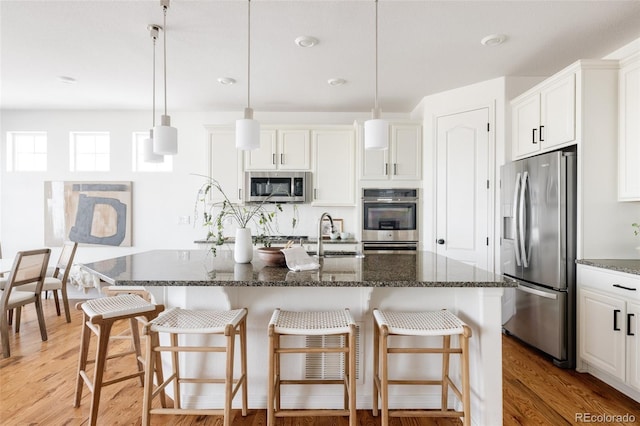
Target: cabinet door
pixel 375 164
pixel 263 158
pixel 334 168
pixel 526 120
pixel 293 150
pixel 601 325
pixel 629 137
pixel 558 112
pixel 225 164
pixel 632 329
pixel 406 148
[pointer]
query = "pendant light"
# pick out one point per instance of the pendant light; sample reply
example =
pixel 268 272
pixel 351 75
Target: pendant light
pixel 248 129
pixel 148 155
pixel 165 137
pixel 376 130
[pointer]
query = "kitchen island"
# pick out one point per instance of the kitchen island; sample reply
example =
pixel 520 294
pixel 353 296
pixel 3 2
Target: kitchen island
pixel 196 279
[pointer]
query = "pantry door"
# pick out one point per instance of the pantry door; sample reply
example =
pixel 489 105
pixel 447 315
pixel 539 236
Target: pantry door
pixel 463 196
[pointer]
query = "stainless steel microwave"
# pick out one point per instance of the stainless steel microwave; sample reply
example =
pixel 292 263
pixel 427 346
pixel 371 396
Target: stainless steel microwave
pixel 277 187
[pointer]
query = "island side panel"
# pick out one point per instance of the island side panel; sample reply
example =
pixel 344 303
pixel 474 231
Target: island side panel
pixel 480 308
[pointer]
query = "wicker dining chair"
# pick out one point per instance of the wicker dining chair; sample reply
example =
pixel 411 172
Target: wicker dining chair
pixel 28 267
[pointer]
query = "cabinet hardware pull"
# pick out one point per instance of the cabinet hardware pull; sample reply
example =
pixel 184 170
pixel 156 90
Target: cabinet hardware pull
pixel 315 193
pixel 615 319
pixel 629 333
pixel 273 158
pixel 541 136
pixel 281 158
pixel 395 168
pixel 625 288
pixel 533 136
pixel 239 193
pixel 386 169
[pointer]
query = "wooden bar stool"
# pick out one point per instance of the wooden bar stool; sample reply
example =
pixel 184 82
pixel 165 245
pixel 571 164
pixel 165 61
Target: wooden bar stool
pixel 439 323
pixel 316 323
pixel 99 316
pixel 177 322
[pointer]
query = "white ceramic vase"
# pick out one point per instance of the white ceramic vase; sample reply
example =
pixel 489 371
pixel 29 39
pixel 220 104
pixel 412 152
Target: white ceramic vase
pixel 243 249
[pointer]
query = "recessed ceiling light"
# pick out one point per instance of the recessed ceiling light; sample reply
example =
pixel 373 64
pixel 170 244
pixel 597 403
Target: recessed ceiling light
pixel 306 41
pixel 336 81
pixel 67 80
pixel 493 39
pixel 226 81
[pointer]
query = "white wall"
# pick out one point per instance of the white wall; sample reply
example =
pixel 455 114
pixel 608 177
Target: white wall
pixel 158 198
pixel 493 94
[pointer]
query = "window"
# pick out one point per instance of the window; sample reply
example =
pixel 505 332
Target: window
pixel 139 165
pixel 27 151
pixel 89 151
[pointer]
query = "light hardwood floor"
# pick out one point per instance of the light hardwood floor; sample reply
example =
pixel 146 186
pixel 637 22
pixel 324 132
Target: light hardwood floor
pixel 38 381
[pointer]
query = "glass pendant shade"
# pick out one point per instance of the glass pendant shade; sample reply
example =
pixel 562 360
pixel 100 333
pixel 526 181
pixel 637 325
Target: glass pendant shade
pixel 376 134
pixel 247 132
pixel 165 138
pixel 148 156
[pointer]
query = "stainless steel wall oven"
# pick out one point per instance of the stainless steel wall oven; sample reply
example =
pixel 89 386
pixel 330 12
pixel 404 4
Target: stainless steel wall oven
pixel 390 219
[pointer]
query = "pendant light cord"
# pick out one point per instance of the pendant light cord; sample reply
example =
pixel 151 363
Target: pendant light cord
pixel 153 97
pixel 249 54
pixel 376 57
pixel 164 45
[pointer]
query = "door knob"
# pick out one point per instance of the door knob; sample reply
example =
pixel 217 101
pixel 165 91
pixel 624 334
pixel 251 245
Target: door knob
pixel 440 241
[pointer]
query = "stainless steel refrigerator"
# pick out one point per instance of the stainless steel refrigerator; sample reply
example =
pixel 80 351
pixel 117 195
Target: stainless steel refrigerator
pixel 538 250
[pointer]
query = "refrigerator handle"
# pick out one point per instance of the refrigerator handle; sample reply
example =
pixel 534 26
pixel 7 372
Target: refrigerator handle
pixel 516 191
pixel 522 219
pixel 536 292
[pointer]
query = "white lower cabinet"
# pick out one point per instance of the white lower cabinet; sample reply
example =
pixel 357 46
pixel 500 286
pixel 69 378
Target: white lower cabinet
pixel 608 323
pixel 602 340
pixel 633 342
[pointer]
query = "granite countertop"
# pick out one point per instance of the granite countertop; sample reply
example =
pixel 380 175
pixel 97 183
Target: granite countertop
pixel 630 266
pixel 201 268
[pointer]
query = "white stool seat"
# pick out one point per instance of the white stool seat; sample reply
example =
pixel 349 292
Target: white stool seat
pixel 117 306
pixel 437 323
pixel 442 324
pixel 176 321
pixel 185 321
pixel 99 316
pixel 312 323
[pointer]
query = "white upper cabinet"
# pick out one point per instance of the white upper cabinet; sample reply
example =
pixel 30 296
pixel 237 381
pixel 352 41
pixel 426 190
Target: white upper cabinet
pixel 334 152
pixel 545 118
pixel 629 130
pixel 280 149
pixel 225 163
pixel 401 161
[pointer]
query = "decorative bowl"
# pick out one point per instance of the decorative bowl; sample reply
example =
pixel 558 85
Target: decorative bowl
pixel 271 256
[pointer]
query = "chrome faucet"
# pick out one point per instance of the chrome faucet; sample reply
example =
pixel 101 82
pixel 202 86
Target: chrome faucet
pixel 319 249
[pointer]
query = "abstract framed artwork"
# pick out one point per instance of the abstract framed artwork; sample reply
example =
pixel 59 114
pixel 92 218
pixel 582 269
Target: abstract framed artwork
pixel 88 213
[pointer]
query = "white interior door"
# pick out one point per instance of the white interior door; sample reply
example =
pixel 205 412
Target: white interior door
pixel 462 196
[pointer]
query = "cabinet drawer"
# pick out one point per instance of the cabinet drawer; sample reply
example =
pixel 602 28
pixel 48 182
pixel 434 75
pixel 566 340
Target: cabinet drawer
pixel 613 282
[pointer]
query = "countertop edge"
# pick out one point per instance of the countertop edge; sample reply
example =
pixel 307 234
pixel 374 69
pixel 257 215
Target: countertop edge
pixel 344 284
pixel 610 265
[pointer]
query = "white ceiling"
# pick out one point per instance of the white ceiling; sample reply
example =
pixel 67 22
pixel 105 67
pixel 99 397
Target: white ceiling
pixel 425 47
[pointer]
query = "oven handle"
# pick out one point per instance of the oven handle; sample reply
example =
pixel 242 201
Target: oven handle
pixel 389 246
pixel 389 200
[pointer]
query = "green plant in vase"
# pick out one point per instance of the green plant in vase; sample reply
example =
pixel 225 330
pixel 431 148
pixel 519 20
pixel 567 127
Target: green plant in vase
pixel 214 215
